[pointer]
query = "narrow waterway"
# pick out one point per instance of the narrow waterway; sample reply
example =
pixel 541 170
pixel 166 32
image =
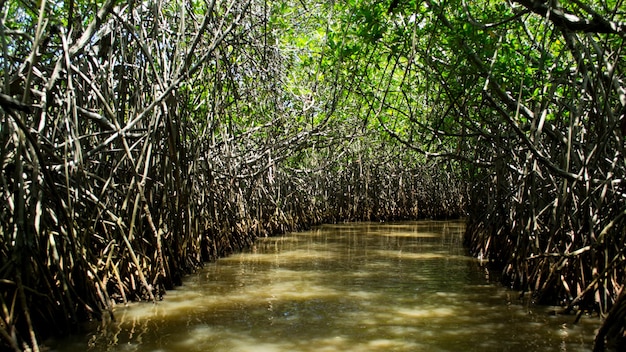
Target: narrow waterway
pixel 352 287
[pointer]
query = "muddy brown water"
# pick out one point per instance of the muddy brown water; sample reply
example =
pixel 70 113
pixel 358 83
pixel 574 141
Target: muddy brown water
pixel 405 286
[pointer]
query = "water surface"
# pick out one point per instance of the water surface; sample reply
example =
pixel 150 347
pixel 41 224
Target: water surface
pixel 351 287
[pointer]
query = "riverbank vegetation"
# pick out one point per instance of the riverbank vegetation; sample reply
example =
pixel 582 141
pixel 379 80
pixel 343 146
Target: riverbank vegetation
pixel 139 140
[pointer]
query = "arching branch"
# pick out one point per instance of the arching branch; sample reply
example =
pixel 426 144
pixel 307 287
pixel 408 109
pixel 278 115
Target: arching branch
pixel 572 22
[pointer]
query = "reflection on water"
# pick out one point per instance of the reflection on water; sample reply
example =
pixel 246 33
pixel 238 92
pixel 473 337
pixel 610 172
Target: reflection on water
pixel 353 287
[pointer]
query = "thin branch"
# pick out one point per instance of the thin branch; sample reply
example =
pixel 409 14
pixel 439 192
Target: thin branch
pixel 474 22
pixel 572 22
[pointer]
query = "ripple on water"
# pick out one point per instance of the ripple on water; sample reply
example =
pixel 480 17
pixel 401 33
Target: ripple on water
pixel 347 287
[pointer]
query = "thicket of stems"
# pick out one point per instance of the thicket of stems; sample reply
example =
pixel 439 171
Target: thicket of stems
pixel 139 140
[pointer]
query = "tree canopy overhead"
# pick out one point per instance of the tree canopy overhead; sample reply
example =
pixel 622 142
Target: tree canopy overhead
pixel 140 139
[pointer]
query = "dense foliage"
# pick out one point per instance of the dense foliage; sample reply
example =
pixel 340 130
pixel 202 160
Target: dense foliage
pixel 530 97
pixel 139 139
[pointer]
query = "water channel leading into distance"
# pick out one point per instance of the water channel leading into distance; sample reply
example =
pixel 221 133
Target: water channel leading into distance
pixel 405 286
